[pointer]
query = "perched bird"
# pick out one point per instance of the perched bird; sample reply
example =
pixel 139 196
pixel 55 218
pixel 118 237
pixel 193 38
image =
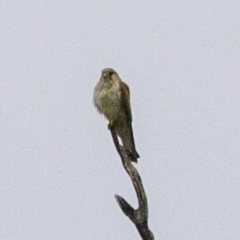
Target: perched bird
pixel 112 99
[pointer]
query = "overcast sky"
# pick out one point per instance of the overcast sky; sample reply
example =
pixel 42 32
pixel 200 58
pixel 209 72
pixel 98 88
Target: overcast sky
pixel 59 169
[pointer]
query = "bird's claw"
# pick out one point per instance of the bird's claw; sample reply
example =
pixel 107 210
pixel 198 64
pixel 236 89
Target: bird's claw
pixel 111 124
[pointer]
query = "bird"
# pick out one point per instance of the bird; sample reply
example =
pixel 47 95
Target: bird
pixel 112 99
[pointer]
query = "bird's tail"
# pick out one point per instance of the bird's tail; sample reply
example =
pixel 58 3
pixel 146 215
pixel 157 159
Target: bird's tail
pixel 126 135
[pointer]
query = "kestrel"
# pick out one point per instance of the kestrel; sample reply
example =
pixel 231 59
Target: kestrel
pixel 112 99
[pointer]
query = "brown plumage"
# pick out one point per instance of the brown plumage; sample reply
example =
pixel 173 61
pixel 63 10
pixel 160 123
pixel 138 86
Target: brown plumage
pixel 112 98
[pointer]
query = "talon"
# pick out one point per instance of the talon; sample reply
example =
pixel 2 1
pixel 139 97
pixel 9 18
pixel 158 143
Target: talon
pixel 111 123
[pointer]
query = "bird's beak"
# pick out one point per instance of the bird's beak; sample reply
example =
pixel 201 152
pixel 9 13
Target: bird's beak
pixel 104 75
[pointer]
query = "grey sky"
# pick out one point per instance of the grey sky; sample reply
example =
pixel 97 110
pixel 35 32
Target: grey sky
pixel 59 169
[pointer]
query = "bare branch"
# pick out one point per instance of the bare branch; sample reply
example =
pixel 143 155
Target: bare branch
pixel 138 216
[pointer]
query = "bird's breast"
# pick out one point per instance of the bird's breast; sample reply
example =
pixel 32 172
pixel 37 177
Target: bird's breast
pixel 107 99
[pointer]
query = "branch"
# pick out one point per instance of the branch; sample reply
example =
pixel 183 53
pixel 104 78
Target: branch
pixel 138 216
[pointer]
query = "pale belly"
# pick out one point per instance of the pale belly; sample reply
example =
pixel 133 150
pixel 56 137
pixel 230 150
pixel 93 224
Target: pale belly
pixel 108 101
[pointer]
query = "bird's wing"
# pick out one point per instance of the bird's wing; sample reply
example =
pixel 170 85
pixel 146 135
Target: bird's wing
pixel 125 96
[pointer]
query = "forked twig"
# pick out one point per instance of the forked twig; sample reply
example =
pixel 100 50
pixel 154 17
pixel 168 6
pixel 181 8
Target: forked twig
pixel 138 216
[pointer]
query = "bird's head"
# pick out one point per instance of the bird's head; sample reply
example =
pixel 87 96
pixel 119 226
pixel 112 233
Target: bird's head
pixel 107 73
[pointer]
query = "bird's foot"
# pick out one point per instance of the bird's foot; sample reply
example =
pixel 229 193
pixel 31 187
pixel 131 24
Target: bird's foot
pixel 111 123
